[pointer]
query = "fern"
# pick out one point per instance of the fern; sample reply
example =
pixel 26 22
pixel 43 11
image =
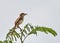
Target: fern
pixel 28 30
pixel 34 30
pixel 6 41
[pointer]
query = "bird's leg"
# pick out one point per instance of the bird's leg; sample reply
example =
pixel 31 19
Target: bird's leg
pixel 19 28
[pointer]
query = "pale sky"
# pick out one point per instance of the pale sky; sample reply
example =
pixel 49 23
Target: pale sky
pixel 40 12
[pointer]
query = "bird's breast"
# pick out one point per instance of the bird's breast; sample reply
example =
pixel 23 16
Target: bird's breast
pixel 20 21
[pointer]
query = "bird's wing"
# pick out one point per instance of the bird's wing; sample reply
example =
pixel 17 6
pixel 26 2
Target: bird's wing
pixel 17 20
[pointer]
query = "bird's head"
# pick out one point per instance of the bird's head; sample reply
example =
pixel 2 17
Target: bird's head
pixel 23 14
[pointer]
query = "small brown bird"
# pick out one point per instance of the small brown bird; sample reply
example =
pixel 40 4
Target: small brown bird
pixel 19 20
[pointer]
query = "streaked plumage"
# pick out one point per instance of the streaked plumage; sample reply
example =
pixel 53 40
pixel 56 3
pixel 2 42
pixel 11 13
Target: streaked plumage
pixel 20 19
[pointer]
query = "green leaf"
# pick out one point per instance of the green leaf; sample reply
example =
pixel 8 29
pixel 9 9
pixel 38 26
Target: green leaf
pixel 42 29
pixel 28 29
pixel 31 26
pixel 17 34
pixel 46 30
pixel 52 31
pixel 26 26
pixel 33 32
pixel 15 38
pixel 25 31
pixel 1 42
pixel 10 41
pixel 23 34
pixel 8 38
pixel 14 35
pixel 6 41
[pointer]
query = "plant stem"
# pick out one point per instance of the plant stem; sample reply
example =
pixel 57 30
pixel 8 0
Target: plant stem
pixel 25 37
pixel 21 35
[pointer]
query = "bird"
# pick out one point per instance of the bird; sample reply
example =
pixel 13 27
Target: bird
pixel 19 20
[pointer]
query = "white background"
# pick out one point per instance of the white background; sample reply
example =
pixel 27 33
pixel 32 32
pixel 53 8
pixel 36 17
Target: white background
pixel 40 12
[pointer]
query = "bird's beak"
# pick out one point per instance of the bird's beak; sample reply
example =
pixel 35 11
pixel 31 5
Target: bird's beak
pixel 25 14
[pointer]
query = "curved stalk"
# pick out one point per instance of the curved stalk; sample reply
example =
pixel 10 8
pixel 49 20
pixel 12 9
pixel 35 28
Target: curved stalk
pixel 21 35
